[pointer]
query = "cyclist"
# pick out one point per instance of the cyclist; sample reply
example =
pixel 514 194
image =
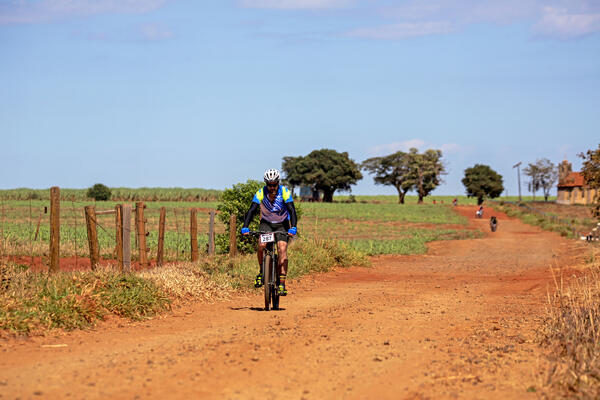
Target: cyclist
pixel 277 214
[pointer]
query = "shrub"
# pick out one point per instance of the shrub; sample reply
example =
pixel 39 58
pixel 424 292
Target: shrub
pixel 99 192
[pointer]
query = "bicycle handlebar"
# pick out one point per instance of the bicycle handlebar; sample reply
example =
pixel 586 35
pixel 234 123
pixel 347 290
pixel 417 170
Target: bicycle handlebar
pixel 258 233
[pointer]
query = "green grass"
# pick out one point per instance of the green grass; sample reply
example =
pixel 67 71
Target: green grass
pixel 423 213
pixel 544 222
pixel 31 301
pixel 413 243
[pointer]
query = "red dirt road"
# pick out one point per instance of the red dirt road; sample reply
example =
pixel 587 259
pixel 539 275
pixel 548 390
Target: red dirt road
pixel 456 323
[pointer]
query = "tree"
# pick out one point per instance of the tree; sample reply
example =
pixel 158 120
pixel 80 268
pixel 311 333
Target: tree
pixel 481 181
pixel 548 175
pixel 393 170
pixel 591 173
pixel 426 171
pixel 543 174
pixel 237 201
pixel 326 170
pixel 291 167
pixel 99 192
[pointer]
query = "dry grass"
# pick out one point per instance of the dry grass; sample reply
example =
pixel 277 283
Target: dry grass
pixel 189 281
pixel 572 334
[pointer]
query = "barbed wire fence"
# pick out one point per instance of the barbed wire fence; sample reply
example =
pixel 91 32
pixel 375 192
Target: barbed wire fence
pixel 2 233
pixel 28 233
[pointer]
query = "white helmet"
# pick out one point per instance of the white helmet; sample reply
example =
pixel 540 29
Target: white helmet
pixel 271 175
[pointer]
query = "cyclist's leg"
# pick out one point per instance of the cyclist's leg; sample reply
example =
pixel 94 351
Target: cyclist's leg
pixel 282 266
pixel 282 255
pixel 260 253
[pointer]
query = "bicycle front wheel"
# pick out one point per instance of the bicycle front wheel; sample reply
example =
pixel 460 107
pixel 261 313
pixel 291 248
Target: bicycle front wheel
pixel 267 281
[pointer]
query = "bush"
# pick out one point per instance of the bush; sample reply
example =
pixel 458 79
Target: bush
pixel 99 192
pixel 237 201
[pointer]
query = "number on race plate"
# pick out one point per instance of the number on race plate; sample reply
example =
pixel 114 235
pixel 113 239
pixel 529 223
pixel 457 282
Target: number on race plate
pixel 267 238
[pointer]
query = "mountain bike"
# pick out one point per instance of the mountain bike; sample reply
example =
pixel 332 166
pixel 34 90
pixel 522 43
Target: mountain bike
pixel 269 268
pixel 493 224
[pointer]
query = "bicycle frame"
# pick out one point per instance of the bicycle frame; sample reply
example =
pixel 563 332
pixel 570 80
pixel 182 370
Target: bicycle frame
pixel 269 270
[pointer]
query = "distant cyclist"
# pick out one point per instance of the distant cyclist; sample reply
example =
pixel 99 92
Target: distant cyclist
pixel 277 214
pixel 479 213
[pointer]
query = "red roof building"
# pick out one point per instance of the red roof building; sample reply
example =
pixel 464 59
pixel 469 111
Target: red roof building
pixel 572 188
pixel 574 179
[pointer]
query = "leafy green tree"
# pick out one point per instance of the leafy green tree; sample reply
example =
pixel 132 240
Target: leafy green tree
pixel 426 171
pixel 481 181
pixel 291 167
pixel 237 201
pixel 325 170
pixel 392 170
pixel 99 192
pixel 591 173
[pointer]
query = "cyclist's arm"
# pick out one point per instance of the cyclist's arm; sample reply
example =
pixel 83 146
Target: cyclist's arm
pixel 292 211
pixel 250 214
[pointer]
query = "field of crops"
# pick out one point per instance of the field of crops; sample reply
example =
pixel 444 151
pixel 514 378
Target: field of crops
pixel 462 200
pixel 117 194
pixel 374 227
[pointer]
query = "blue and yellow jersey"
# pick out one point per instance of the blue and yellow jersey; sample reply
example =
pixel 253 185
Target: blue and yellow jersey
pixel 275 212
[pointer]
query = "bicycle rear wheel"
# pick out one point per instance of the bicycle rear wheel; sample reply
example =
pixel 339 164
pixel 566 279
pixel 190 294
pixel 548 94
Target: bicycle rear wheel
pixel 267 280
pixel 275 290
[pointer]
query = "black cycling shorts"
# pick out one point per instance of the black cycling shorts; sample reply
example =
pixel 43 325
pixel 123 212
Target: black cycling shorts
pixel 266 226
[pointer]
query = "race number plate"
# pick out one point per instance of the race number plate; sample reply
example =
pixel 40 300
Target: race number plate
pixel 267 238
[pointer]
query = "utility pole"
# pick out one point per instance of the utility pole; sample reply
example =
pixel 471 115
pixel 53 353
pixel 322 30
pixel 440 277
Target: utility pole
pixel 517 166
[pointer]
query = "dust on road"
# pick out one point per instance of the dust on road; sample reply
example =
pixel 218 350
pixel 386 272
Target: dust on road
pixel 458 322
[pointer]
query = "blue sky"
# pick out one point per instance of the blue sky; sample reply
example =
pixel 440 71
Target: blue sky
pixel 211 93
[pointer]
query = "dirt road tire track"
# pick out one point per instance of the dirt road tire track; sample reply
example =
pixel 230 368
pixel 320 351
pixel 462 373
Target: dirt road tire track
pixel 456 323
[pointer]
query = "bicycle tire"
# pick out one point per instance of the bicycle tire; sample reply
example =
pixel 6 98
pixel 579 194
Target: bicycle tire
pixel 275 294
pixel 267 280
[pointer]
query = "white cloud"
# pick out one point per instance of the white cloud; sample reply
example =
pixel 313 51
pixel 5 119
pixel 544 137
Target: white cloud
pixel 403 30
pixel 451 148
pixel 562 19
pixel 388 148
pixel 29 11
pixel 565 24
pixel 295 4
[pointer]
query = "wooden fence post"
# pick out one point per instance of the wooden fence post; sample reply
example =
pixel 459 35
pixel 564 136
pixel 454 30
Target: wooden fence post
pixel 194 234
pixel 141 234
pixel 161 236
pixel 54 228
pixel 211 233
pixel 119 235
pixel 126 223
pixel 37 229
pixel 90 220
pixel 232 236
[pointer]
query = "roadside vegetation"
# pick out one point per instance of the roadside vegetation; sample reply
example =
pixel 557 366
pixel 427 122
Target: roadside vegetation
pixel 552 217
pixel 331 235
pixel 571 333
pixel 32 302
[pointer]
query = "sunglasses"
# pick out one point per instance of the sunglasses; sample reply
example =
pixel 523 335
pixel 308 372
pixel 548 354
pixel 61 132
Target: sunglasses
pixel 272 185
